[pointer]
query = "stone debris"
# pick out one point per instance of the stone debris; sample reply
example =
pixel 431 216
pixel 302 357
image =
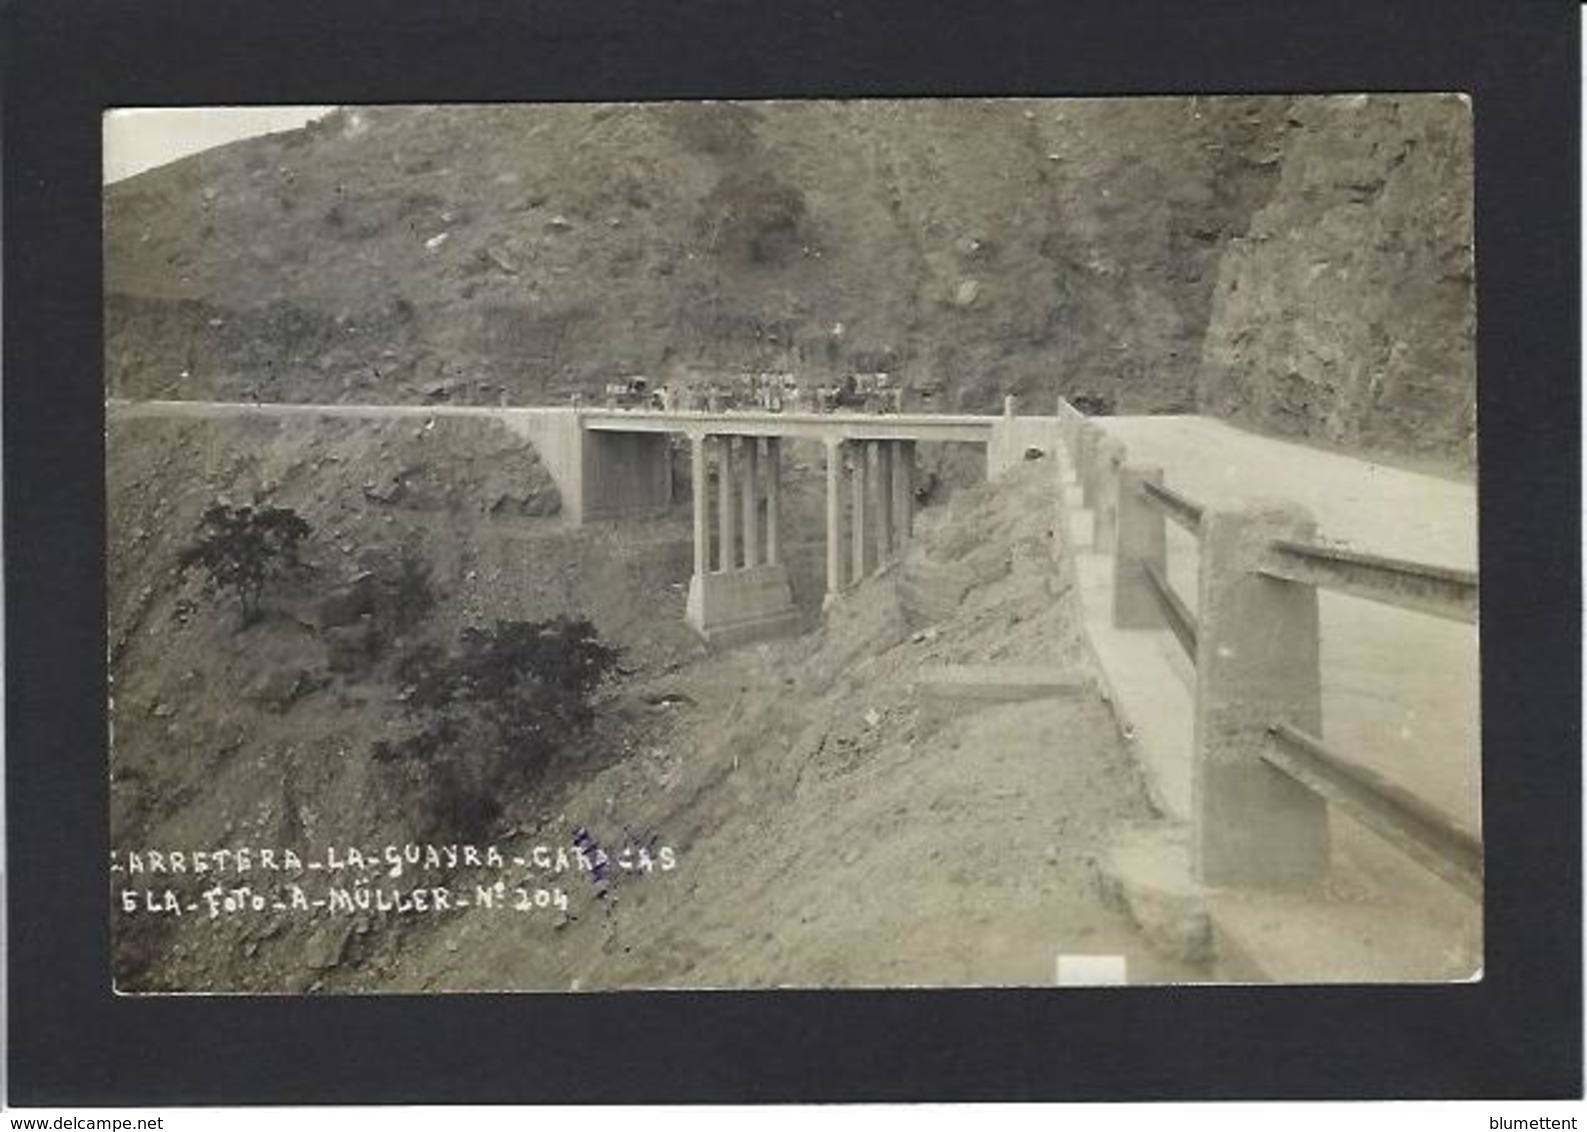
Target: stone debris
pixel 325 946
pixel 501 260
pixel 278 689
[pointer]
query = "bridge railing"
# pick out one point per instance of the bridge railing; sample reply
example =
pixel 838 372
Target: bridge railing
pixel 1263 778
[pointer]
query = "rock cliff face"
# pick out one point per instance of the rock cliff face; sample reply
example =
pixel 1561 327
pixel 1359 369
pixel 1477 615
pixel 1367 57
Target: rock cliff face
pixel 1346 313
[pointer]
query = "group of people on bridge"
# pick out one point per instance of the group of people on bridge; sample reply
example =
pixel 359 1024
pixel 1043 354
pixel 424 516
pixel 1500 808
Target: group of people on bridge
pixel 762 392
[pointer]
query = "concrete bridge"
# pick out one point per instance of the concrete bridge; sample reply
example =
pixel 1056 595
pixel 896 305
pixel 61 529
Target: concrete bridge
pixel 614 463
pixel 740 588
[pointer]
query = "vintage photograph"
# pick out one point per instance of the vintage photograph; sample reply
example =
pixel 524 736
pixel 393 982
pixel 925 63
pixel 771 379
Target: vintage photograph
pixel 792 544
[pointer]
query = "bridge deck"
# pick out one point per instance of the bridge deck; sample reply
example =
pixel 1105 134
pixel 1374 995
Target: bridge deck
pixel 814 426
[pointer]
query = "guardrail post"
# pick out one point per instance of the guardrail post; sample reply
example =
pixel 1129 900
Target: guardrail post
pixel 1091 435
pixel 1140 540
pixel 1257 664
pixel 1110 457
pixel 1069 421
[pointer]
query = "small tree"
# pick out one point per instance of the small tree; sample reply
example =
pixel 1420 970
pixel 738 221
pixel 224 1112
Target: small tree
pixel 243 549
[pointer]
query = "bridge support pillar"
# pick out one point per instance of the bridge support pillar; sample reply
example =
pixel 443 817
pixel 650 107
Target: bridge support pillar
pixel 751 500
pixel 903 494
pixel 858 545
pixel 726 526
pixel 880 456
pixel 736 603
pixel 773 505
pixel 1257 664
pixel 1140 541
pixel 834 520
pixel 699 472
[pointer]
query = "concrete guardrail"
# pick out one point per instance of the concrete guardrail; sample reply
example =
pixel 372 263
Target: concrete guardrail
pixel 1263 780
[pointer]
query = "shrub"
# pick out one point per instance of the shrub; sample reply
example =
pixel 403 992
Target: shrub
pixel 242 550
pixel 753 216
pixel 719 130
pixel 490 715
pixel 1093 405
pixel 405 594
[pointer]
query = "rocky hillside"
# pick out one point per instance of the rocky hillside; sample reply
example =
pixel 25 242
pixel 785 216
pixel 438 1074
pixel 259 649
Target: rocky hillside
pixel 226 733
pixel 828 828
pixel 489 253
pixel 1346 313
pixel 1303 265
